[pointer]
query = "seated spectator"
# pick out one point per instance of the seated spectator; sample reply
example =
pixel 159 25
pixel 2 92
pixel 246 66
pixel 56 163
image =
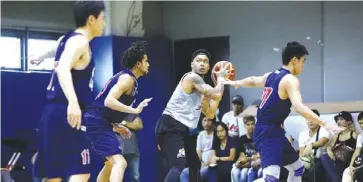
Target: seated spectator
pixel 340 149
pixel 204 149
pixel 223 155
pixel 248 164
pixel 312 144
pixel 357 156
pixel 232 119
pixel 287 135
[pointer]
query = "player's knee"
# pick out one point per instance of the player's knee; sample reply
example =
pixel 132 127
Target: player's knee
pixel 118 161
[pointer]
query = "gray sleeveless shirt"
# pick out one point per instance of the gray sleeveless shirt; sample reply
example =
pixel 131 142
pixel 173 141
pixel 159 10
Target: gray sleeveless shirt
pixel 183 107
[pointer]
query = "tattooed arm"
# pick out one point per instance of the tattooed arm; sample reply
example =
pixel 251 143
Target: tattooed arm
pixel 198 83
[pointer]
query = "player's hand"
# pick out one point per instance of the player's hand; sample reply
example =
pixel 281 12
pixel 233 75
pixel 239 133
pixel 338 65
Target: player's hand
pixel 34 60
pixel 232 83
pixel 143 104
pixel 122 130
pixel 223 73
pixel 74 115
pixel 333 128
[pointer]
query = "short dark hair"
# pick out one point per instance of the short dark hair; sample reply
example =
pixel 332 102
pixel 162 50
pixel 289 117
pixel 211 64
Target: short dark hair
pixel 360 116
pixel 249 118
pixel 316 112
pixel 135 53
pixel 293 49
pixel 201 51
pixel 84 9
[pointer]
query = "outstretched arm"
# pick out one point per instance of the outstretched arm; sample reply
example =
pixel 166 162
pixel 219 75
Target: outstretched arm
pixel 215 93
pixel 250 82
pixel 292 86
pixel 49 53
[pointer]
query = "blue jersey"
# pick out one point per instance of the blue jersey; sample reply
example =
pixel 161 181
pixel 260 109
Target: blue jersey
pixel 82 79
pixel 111 115
pixel 272 109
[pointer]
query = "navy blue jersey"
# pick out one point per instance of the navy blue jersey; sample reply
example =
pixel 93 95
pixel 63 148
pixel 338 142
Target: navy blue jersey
pixel 111 115
pixel 82 79
pixel 272 109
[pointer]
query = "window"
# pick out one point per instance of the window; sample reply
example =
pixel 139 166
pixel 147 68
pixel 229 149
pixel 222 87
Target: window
pixel 37 47
pixel 10 56
pixel 16 46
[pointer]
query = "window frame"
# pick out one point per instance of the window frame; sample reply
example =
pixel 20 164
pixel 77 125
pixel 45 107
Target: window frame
pixel 24 36
pixel 20 35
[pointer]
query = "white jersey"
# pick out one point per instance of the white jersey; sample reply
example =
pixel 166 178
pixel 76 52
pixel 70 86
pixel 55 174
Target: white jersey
pixel 183 107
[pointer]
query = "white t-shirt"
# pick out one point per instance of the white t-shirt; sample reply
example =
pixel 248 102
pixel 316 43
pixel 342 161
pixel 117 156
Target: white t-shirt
pixel 236 127
pixel 360 141
pixel 305 139
pixel 204 143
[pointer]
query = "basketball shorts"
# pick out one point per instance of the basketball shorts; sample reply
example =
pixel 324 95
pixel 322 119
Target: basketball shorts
pixel 171 137
pixel 63 150
pixel 273 146
pixel 100 132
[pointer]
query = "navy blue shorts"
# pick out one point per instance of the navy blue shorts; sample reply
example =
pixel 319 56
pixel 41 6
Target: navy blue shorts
pixel 63 150
pixel 273 146
pixel 100 132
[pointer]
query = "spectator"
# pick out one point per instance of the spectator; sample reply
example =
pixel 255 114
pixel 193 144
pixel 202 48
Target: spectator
pixel 248 163
pixel 204 149
pixel 340 149
pixel 312 144
pixel 232 119
pixel 223 155
pixel 357 156
pixel 288 136
pixel 129 146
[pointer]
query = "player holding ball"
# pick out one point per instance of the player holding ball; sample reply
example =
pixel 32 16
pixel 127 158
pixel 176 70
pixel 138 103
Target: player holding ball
pixel 191 97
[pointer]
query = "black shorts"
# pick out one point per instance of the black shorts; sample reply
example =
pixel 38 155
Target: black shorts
pixel 172 135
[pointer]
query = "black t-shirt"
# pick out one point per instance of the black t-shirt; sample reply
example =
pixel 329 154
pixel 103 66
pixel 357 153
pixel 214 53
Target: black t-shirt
pixel 246 146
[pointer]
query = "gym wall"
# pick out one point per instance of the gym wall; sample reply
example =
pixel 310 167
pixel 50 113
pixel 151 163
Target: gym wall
pixel 256 28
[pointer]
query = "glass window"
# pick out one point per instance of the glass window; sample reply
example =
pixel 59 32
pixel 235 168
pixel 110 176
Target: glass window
pixel 38 47
pixel 10 52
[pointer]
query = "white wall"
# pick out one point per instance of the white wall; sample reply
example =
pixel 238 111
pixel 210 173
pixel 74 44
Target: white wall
pixel 58 16
pixel 256 27
pixel 42 15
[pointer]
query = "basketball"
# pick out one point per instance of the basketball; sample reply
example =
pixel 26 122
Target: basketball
pixel 223 64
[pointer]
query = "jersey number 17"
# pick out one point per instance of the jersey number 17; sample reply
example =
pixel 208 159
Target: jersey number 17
pixel 267 91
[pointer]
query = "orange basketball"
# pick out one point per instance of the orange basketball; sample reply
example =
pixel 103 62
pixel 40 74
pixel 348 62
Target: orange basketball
pixel 223 64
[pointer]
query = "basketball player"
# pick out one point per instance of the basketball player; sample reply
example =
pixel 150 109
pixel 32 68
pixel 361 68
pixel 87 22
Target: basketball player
pixel 111 106
pixel 183 111
pixel 63 147
pixel 281 91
